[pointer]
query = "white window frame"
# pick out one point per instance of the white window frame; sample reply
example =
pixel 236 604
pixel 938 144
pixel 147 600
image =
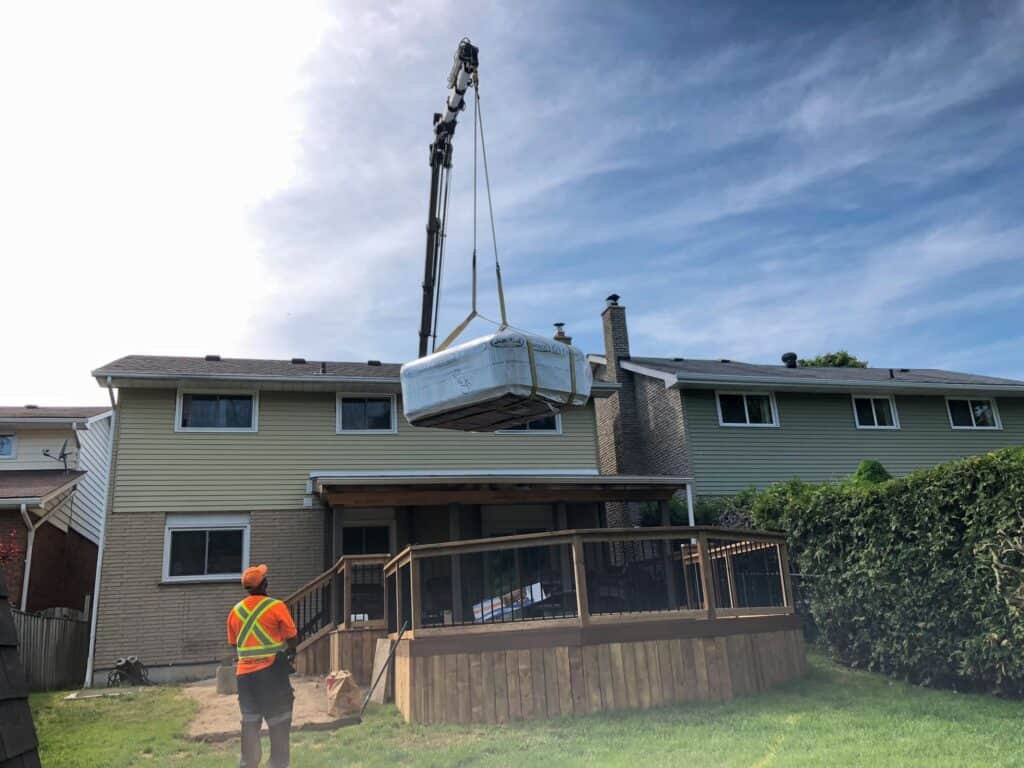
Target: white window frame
pixel 339 396
pixel 967 399
pixel 892 406
pixel 536 432
pixel 205 523
pixel 225 392
pixel 746 411
pixel 14 446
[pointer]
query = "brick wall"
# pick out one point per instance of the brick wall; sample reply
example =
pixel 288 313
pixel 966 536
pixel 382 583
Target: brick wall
pixel 185 623
pixel 63 565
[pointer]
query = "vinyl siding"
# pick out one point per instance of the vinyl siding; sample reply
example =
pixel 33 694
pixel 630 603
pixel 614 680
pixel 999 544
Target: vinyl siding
pixel 29 444
pixel 819 442
pixel 161 470
pixel 91 497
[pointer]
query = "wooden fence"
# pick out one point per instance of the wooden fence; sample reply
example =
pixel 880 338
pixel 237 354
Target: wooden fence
pixel 53 650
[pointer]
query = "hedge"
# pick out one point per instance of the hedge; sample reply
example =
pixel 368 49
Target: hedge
pixel 920 578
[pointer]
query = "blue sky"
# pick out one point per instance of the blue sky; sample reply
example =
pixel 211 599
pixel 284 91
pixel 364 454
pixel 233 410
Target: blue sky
pixel 751 178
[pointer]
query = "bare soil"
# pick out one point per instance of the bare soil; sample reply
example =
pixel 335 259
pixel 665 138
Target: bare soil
pixel 218 718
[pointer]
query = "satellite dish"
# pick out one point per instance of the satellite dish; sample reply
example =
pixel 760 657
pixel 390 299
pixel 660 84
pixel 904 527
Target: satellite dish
pixel 62 457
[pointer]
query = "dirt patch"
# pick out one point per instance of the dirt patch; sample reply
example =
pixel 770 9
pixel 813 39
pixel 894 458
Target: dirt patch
pixel 218 717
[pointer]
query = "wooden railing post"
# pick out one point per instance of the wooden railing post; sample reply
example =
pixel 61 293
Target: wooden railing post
pixel 455 533
pixel 415 598
pixel 730 579
pixel 335 599
pixel 787 583
pixel 707 579
pixel 670 581
pixel 399 615
pixel 579 566
pixel 346 577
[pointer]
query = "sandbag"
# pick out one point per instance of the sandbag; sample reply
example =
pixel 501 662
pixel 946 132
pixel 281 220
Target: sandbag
pixel 343 695
pixel 501 380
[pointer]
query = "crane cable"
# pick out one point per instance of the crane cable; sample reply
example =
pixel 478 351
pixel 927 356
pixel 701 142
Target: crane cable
pixel 478 128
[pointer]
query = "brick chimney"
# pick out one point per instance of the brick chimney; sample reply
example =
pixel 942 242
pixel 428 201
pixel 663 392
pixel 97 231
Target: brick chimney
pixel 617 418
pixel 616 336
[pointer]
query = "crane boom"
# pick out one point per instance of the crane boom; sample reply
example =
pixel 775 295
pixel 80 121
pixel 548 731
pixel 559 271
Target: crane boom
pixel 462 76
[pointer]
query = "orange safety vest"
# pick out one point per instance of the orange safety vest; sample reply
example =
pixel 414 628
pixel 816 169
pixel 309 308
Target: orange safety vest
pixel 260 631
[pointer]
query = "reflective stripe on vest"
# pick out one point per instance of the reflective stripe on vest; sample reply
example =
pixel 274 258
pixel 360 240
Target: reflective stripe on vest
pixel 265 647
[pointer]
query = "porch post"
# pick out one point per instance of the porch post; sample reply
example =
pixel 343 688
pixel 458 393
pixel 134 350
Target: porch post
pixel 707 581
pixel 415 599
pixel 670 582
pixel 346 577
pixel 580 570
pixel 454 534
pixel 561 523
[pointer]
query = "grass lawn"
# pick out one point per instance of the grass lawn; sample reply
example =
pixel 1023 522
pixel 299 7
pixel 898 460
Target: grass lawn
pixel 834 717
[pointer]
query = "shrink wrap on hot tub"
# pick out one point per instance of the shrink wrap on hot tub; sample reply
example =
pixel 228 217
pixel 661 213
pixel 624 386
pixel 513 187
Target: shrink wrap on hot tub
pixel 494 382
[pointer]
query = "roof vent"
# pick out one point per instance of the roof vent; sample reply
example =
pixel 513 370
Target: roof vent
pixel 613 300
pixel 31 405
pixel 725 360
pixel 560 334
pixel 212 358
pixel 891 374
pixel 678 359
pixel 323 367
pixel 904 370
pixel 373 362
pixel 789 359
pixel 298 361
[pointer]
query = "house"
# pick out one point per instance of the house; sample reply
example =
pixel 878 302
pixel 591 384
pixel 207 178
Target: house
pixel 53 487
pixel 731 425
pixel 370 525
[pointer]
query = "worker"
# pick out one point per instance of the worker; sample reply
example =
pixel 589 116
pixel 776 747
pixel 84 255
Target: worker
pixel 265 639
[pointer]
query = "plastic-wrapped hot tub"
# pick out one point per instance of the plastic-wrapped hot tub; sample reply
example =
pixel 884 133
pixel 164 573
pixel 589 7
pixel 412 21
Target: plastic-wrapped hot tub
pixel 494 382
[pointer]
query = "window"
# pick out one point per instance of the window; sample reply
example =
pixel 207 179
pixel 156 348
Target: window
pixel 6 446
pixel 875 413
pixel 366 414
pixel 551 424
pixel 366 540
pixel 205 547
pixel 220 412
pixel 737 409
pixel 973 414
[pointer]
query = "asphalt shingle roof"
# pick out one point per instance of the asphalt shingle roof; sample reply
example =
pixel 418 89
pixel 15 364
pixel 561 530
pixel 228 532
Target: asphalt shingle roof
pixel 51 412
pixel 33 483
pixel 235 366
pixel 730 369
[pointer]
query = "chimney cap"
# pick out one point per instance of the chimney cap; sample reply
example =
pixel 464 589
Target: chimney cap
pixel 789 359
pixel 613 300
pixel 559 326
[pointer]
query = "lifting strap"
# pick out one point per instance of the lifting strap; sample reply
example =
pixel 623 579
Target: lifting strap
pixel 265 647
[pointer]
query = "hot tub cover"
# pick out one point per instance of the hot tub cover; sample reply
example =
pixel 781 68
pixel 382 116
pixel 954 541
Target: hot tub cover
pixel 501 380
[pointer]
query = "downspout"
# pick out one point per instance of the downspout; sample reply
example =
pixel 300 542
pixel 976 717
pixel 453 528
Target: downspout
pixel 28 555
pixel 103 539
pixel 689 503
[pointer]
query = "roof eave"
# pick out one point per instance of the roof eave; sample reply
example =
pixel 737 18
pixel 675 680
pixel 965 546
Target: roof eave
pixel 103 377
pixel 710 381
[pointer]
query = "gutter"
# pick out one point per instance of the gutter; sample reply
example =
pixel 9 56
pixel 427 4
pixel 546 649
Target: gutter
pixel 683 379
pixel 104 379
pixel 90 658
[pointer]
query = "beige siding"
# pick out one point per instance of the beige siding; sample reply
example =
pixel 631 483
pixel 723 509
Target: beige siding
pixel 29 444
pixel 160 470
pixel 818 441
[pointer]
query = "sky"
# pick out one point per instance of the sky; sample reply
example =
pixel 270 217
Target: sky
pixel 250 179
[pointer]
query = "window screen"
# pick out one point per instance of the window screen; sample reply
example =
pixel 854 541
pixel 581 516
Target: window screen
pixel 743 409
pixel 972 414
pixel 874 412
pixel 216 411
pixel 206 552
pixel 366 414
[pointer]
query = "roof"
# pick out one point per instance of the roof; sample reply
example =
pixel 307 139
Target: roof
pixel 695 373
pixel 64 413
pixel 139 369
pixel 34 484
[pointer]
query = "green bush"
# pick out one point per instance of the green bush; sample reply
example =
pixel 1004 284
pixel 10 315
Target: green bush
pixel 870 473
pixel 920 578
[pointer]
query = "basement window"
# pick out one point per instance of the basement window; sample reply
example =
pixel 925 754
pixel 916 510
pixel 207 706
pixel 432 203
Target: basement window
pixel 551 424
pixel 366 414
pixel 205 547
pixel 974 413
pixel 875 413
pixel 743 409
pixel 216 412
pixel 7 446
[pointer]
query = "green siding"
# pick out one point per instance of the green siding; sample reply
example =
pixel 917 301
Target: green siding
pixel 818 441
pixel 160 470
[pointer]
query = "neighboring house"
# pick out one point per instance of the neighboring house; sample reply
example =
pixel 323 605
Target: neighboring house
pixel 219 463
pixel 731 425
pixel 51 515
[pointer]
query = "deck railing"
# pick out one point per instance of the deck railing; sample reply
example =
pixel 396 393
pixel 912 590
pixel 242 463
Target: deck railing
pixel 348 595
pixel 584 576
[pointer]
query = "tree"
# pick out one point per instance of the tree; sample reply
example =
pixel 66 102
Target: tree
pixel 840 359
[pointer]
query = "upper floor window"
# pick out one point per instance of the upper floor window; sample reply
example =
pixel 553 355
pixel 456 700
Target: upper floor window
pixel 973 413
pixel 7 446
pixel 740 409
pixel 551 424
pixel 205 547
pixel 216 412
pixel 366 414
pixel 875 413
